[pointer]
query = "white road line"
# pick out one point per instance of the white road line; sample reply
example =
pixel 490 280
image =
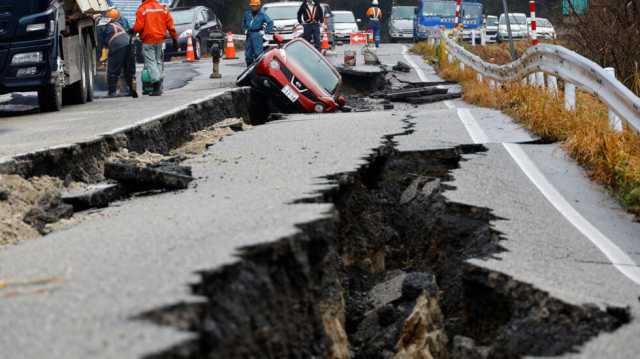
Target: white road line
pixel 449 104
pixel 421 74
pixel 473 128
pixel 618 258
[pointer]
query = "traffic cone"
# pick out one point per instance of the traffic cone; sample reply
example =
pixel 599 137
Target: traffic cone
pixel 324 44
pixel 230 48
pixel 191 56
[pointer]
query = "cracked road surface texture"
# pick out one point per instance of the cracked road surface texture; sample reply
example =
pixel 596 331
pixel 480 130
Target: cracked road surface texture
pixel 141 254
pixel 23 129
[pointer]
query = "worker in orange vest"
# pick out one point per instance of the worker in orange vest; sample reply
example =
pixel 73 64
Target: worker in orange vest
pixel 153 20
pixel 116 40
pixel 311 17
pixel 374 15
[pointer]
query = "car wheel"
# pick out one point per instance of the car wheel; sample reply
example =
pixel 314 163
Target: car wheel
pixel 90 67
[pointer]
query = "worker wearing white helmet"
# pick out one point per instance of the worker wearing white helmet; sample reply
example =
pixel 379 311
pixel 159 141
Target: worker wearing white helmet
pixel 374 15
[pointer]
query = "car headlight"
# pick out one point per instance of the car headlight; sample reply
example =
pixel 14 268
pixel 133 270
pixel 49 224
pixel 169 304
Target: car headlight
pixel 26 58
pixel 274 65
pixel 36 27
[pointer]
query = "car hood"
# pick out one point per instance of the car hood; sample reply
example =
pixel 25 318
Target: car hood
pixel 285 23
pixel 402 24
pixel 345 25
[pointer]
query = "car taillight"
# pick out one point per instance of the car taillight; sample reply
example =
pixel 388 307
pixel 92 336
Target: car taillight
pixel 318 107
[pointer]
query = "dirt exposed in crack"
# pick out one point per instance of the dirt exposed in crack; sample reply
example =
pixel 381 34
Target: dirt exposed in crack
pixel 385 276
pixel 30 208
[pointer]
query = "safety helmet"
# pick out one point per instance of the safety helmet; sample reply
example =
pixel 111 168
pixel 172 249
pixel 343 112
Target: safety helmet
pixel 254 2
pixel 113 13
pixel 374 3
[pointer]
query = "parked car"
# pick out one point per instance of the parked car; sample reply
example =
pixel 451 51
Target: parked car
pixel 544 28
pixel 518 22
pixel 345 23
pixel 491 28
pixel 295 77
pixel 200 22
pixel 401 22
pixel 285 20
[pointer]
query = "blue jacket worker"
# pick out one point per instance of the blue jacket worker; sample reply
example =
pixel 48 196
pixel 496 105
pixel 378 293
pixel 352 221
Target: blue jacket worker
pixel 254 21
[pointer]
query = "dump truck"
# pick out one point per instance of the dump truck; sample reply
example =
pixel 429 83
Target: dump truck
pixel 49 46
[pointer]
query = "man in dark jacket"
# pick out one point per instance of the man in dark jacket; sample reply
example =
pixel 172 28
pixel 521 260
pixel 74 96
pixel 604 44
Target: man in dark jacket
pixel 116 40
pixel 311 17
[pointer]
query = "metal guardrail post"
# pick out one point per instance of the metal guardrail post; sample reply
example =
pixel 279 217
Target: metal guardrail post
pixel 479 77
pixel 569 96
pixel 614 120
pixel 473 37
pixel 552 84
pixel 540 79
pixel 483 37
pixel 462 66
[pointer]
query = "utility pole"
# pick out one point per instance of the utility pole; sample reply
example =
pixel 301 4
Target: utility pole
pixel 507 18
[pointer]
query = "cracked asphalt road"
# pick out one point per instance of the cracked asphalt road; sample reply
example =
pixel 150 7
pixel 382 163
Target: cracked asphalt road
pixel 142 253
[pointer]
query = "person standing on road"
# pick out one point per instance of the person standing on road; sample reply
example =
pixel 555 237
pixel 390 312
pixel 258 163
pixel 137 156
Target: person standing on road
pixel 374 15
pixel 254 21
pixel 311 17
pixel 152 22
pixel 116 40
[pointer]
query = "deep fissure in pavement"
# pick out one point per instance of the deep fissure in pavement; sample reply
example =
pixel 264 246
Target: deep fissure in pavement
pixel 384 276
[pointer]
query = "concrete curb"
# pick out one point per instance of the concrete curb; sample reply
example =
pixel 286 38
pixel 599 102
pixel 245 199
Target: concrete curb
pixel 84 160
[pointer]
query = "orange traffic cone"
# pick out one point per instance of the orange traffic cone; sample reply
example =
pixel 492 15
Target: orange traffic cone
pixel 191 56
pixel 230 48
pixel 324 44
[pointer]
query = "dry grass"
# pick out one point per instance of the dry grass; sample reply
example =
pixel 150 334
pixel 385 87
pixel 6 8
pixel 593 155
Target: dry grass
pixel 611 158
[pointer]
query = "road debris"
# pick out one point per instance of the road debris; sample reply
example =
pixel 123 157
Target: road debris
pixel 401 67
pixel 137 176
pixel 98 195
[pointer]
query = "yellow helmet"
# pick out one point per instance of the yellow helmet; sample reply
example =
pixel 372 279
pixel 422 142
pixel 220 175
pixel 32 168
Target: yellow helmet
pixel 254 2
pixel 113 13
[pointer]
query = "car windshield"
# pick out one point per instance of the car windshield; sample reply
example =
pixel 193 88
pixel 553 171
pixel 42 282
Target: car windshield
pixel 439 8
pixel 492 20
pixel 403 12
pixel 343 17
pixel 543 22
pixel 182 17
pixel 471 10
pixel 282 12
pixel 314 65
pixel 514 19
pixel 22 8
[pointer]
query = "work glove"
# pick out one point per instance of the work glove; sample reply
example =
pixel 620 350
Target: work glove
pixel 175 44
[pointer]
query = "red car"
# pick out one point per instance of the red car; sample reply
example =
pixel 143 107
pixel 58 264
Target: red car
pixel 295 77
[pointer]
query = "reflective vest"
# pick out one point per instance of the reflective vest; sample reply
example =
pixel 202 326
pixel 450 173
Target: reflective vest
pixel 118 31
pixel 374 13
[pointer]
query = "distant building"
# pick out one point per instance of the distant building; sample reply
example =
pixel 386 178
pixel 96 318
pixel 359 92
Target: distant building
pixel 579 6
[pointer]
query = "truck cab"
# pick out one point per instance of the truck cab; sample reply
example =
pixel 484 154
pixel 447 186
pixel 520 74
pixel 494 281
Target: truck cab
pixel 48 46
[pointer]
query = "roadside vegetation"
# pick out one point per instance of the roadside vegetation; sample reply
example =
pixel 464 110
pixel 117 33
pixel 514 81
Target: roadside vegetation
pixel 610 158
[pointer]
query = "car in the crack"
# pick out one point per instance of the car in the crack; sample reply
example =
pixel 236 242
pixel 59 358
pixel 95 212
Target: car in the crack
pixel 295 78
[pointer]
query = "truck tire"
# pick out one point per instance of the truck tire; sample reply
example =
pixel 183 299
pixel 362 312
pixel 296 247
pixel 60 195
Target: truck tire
pixel 50 97
pixel 90 66
pixel 76 93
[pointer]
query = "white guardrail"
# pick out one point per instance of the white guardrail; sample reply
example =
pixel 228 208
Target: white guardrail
pixel 559 62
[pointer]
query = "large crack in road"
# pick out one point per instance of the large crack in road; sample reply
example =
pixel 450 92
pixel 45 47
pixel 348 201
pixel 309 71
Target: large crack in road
pixel 383 276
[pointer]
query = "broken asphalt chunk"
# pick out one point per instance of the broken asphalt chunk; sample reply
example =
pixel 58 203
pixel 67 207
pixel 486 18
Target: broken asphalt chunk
pixel 401 67
pixel 93 196
pixel 432 98
pixel 156 176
